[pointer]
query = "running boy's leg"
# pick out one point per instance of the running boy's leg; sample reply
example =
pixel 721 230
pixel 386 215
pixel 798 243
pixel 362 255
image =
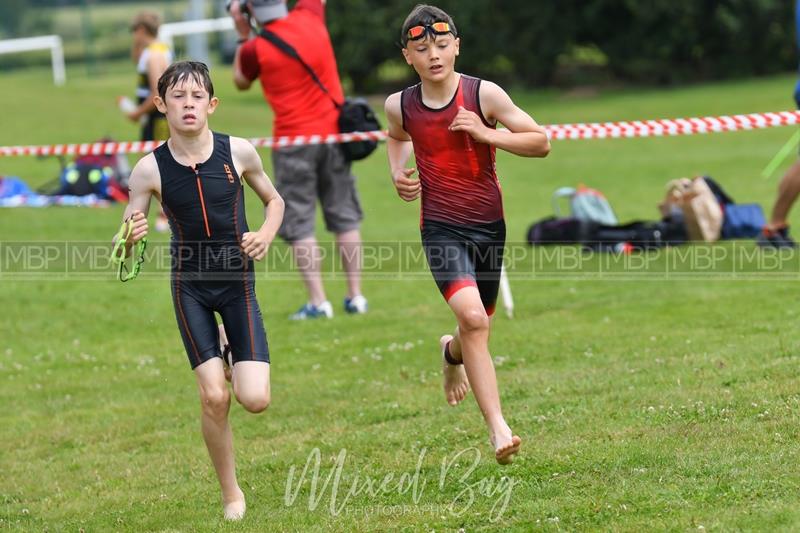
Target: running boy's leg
pixel 448 260
pixel 788 190
pixel 473 333
pixel 456 383
pixel 244 328
pixel 215 400
pixel 775 233
pixel 196 322
pixel 251 385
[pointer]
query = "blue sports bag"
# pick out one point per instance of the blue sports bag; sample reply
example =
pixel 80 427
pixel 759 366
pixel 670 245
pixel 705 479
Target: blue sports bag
pixel 742 221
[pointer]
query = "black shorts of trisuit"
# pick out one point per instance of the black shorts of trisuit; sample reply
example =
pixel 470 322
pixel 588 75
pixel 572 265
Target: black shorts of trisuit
pixel 196 301
pixel 465 256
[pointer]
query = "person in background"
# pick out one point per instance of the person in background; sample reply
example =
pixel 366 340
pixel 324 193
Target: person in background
pixel 304 174
pixel 776 233
pixel 152 57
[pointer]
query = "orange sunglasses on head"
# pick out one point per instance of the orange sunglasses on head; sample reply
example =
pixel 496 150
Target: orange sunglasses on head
pixel 437 28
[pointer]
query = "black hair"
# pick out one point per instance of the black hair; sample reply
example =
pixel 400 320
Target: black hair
pixel 180 72
pixel 425 15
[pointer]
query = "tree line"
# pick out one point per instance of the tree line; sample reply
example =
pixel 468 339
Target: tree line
pixel 534 43
pixel 542 42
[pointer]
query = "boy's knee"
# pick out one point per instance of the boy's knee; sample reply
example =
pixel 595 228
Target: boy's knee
pixel 255 403
pixel 473 321
pixel 215 400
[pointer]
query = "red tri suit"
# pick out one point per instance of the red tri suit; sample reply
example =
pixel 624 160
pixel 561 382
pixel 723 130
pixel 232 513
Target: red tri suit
pixel 462 226
pixel 450 191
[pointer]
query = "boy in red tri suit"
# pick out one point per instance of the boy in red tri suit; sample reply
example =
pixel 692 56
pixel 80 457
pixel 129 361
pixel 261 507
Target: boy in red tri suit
pixel 448 121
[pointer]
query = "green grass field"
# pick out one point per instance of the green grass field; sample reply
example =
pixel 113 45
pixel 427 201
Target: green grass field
pixel 647 399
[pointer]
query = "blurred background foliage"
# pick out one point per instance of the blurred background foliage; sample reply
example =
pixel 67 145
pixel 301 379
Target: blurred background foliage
pixel 527 43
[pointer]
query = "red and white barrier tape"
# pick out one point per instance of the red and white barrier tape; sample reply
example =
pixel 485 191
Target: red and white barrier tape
pixel 136 147
pixel 596 130
pixel 669 127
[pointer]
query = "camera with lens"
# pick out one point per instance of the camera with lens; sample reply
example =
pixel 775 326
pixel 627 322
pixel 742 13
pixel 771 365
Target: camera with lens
pixel 243 9
pixel 260 11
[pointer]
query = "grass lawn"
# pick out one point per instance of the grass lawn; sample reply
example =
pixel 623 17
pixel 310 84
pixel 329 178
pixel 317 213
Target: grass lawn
pixel 649 396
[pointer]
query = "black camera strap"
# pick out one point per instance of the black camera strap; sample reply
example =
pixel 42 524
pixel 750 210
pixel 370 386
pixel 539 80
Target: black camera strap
pixel 289 50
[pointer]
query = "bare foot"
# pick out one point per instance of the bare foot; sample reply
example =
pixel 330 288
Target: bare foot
pixel 225 350
pixel 456 384
pixel 506 448
pixel 234 509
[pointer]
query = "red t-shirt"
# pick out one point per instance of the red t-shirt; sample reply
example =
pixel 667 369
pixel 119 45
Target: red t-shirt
pixel 300 106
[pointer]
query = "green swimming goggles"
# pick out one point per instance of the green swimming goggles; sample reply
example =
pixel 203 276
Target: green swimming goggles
pixel 118 253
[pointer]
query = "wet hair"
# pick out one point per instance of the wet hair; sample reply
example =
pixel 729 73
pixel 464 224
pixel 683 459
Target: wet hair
pixel 425 15
pixel 180 72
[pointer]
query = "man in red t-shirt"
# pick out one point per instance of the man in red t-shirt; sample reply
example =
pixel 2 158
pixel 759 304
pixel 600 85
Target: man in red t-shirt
pixel 301 107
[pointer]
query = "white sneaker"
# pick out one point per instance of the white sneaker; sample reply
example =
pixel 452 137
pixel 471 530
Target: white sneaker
pixel 326 309
pixel 308 311
pixel 357 305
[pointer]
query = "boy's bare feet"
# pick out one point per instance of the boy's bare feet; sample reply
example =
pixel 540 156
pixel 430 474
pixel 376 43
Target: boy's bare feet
pixel 506 446
pixel 456 384
pixel 234 509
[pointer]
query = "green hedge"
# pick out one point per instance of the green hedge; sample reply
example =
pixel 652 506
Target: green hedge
pixel 530 41
pixel 667 41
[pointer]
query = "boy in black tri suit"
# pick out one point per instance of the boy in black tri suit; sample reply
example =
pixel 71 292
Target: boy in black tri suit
pixel 448 121
pixel 198 177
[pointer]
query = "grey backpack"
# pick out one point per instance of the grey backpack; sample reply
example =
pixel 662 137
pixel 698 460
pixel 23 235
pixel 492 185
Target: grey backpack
pixel 585 204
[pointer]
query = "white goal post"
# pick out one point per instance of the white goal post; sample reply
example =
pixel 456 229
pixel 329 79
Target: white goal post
pixel 52 42
pixel 167 31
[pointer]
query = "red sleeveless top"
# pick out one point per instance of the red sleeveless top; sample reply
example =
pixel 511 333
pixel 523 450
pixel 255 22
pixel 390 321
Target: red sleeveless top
pixel 457 173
